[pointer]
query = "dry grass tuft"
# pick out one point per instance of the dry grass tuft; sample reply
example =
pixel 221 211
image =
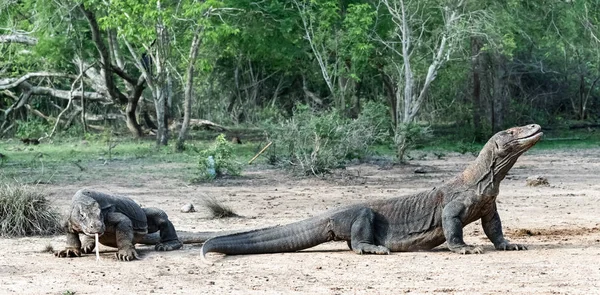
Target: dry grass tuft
pixel 217 209
pixel 48 249
pixel 24 211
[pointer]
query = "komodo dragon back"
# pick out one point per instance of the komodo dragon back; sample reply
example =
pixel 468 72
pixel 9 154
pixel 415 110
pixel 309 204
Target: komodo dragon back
pixel 406 223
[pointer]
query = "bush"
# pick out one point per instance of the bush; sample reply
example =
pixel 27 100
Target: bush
pixel 377 116
pixel 408 136
pixel 25 212
pixel 317 142
pixel 222 163
pixel 31 128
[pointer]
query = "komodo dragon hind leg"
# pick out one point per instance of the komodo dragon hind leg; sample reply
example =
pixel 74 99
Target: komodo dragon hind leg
pixel 362 239
pixel 159 221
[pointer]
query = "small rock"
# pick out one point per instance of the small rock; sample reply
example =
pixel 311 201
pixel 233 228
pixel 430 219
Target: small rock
pixel 420 170
pixel 537 180
pixel 188 208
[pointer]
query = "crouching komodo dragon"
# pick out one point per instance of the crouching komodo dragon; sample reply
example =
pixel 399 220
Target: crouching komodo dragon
pixel 121 223
pixel 414 222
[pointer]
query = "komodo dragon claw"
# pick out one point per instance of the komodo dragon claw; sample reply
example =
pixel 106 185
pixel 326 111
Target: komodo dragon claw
pixel 506 246
pixel 467 249
pixel 168 246
pixel 126 254
pixel 68 252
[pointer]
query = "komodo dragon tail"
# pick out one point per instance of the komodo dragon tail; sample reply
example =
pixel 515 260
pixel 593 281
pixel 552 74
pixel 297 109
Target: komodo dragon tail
pixel 185 237
pixel 288 238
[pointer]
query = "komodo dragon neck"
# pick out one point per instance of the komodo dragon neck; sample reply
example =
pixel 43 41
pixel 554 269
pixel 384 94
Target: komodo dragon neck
pixel 490 167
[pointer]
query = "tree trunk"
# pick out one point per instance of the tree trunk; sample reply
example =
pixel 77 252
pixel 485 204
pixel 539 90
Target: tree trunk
pixel 189 84
pixel 476 71
pixel 162 137
pixel 580 109
pixel 83 104
pixel 499 97
pixel 131 120
pixel 161 87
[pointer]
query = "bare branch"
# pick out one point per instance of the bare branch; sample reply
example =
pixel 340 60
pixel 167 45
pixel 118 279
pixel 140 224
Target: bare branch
pixel 21 39
pixel 63 94
pixel 80 76
pixel 309 33
pixel 9 83
pixel 105 60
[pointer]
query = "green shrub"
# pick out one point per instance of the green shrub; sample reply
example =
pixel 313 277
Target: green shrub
pixel 377 116
pixel 464 147
pixel 223 160
pixel 408 136
pixel 31 128
pixel 24 212
pixel 317 142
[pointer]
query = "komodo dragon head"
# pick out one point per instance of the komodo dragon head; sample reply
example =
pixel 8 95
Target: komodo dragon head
pixel 86 216
pixel 511 143
pixel 499 155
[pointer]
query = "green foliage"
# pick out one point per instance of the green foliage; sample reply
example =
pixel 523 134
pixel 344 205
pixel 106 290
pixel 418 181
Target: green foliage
pixel 222 155
pixel 32 128
pixel 24 212
pixel 317 142
pixel 408 136
pixel 376 115
pixel 465 147
pixel 256 61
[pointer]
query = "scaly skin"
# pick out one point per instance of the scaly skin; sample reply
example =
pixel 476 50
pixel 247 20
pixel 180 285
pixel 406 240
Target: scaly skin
pixel 119 221
pixel 408 223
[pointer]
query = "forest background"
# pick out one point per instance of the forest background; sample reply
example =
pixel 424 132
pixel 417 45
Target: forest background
pixel 327 81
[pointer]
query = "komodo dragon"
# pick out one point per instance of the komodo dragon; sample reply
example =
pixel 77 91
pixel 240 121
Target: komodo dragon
pixel 408 223
pixel 121 223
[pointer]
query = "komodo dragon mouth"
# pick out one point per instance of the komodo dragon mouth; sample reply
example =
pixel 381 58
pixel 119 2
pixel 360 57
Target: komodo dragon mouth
pixel 534 137
pixel 524 137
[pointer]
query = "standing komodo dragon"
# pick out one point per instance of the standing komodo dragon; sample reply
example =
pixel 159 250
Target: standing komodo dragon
pixel 121 223
pixel 414 222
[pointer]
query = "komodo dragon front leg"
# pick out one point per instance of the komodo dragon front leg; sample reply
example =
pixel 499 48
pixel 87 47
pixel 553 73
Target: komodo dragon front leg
pixel 452 224
pixel 119 230
pixel 492 226
pixel 73 248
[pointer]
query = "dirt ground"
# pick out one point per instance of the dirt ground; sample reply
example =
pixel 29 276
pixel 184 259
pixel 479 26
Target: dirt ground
pixel 560 223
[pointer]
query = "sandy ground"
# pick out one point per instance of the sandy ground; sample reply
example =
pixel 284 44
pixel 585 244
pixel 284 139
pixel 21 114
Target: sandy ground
pixel 560 224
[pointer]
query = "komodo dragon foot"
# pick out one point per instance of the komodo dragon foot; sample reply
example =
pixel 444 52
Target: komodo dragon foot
pixel 506 246
pixel 126 254
pixel 68 252
pixel 467 249
pixel 371 249
pixel 88 245
pixel 168 245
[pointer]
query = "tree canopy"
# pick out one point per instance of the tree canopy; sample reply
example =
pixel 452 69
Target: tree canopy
pixel 480 65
